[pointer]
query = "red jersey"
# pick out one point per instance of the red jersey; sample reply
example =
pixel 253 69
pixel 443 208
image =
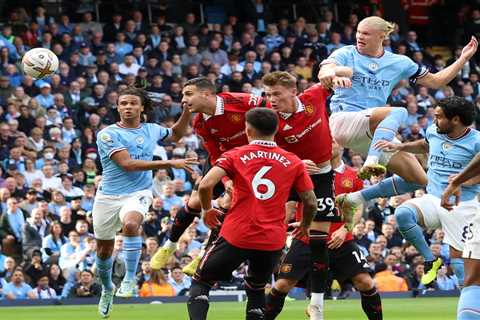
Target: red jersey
pixel 225 130
pixel 346 181
pixel 307 132
pixel 263 175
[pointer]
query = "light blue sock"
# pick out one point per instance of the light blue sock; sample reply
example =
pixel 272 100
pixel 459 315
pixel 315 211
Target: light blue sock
pixel 389 187
pixel 458 269
pixel 469 304
pixel 387 128
pixel 132 249
pixel 406 217
pixel 70 283
pixel 104 269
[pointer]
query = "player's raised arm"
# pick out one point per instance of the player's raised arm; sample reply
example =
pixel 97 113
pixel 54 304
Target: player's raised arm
pixel 179 129
pixel 441 78
pixel 330 71
pixel 122 159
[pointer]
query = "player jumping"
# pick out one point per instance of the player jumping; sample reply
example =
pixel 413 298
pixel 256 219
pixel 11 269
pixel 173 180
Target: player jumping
pixel 254 229
pixel 450 145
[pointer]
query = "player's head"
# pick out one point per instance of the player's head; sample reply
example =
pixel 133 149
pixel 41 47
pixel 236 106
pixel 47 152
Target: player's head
pixel 132 102
pixel 371 32
pixel 280 90
pixel 261 123
pixel 453 113
pixel 198 93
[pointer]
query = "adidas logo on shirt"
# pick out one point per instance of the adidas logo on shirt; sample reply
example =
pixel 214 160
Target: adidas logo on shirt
pixel 287 127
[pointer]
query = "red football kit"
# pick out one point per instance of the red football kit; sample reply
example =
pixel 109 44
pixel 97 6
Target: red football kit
pixel 346 181
pixel 306 132
pixel 225 129
pixel 263 175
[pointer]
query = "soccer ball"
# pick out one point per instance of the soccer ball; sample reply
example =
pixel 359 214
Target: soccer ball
pixel 39 63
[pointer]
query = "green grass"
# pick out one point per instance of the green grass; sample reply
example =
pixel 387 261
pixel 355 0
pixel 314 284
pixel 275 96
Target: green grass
pixel 394 309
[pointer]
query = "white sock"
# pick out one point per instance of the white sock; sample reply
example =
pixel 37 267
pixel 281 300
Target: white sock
pixel 169 244
pixel 357 198
pixel 317 301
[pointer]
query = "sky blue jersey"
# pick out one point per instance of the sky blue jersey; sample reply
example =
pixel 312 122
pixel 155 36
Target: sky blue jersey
pixel 140 143
pixel 450 156
pixel 373 78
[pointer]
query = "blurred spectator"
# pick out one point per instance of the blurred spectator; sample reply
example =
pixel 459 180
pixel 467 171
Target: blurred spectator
pixel 156 286
pixel 43 290
pixel 179 281
pixel 17 288
pixel 86 287
pixel 386 281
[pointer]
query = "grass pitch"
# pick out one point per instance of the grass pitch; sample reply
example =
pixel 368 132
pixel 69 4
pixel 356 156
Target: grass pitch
pixel 394 309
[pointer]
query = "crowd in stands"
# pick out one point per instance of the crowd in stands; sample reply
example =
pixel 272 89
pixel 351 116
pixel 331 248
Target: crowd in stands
pixel 50 169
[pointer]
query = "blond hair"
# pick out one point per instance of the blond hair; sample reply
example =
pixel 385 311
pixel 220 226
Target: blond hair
pixel 380 24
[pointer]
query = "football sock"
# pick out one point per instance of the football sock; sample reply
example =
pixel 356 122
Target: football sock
pixel 372 304
pixel 388 187
pixel 255 301
pixel 104 269
pixel 198 302
pixel 319 273
pixel 132 248
pixel 183 219
pixel 458 269
pixel 274 304
pixel 387 129
pixel 469 304
pixel 406 217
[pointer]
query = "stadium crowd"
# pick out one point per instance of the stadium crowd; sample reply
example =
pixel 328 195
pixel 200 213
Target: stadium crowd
pixel 50 169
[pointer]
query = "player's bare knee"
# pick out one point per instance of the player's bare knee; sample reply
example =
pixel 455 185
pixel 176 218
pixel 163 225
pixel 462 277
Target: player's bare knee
pixel 131 228
pixel 285 285
pixel 363 282
pixel 194 201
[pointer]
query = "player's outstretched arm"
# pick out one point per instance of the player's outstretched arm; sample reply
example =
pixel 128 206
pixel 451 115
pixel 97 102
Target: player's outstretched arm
pixel 309 202
pixel 418 146
pixel 179 129
pixel 442 78
pixel 122 159
pixel 210 216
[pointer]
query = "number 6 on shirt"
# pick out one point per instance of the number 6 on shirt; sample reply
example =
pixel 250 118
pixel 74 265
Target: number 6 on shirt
pixel 258 180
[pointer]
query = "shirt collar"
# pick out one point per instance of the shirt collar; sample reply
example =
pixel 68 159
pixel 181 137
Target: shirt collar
pixel 219 108
pixel 340 168
pixel 264 143
pixel 300 108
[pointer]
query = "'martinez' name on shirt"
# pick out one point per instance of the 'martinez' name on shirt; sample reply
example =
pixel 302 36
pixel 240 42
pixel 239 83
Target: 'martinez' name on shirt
pixel 265 155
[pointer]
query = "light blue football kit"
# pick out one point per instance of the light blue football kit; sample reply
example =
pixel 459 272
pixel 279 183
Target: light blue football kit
pixel 372 83
pixel 121 192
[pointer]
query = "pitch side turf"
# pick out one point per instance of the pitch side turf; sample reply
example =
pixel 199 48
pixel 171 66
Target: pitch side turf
pixel 394 309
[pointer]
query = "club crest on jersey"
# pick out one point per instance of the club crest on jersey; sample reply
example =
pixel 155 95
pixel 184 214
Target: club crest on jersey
pixel 285 268
pixel 446 146
pixel 235 117
pixel 291 139
pixel 309 109
pixel 106 138
pixel 373 66
pixel 347 183
pixel 139 140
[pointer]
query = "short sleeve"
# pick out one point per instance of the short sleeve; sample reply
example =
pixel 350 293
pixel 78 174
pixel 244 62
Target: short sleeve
pixel 339 56
pixel 225 161
pixel 108 143
pixel 429 132
pixel 302 182
pixel 161 132
pixel 412 70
